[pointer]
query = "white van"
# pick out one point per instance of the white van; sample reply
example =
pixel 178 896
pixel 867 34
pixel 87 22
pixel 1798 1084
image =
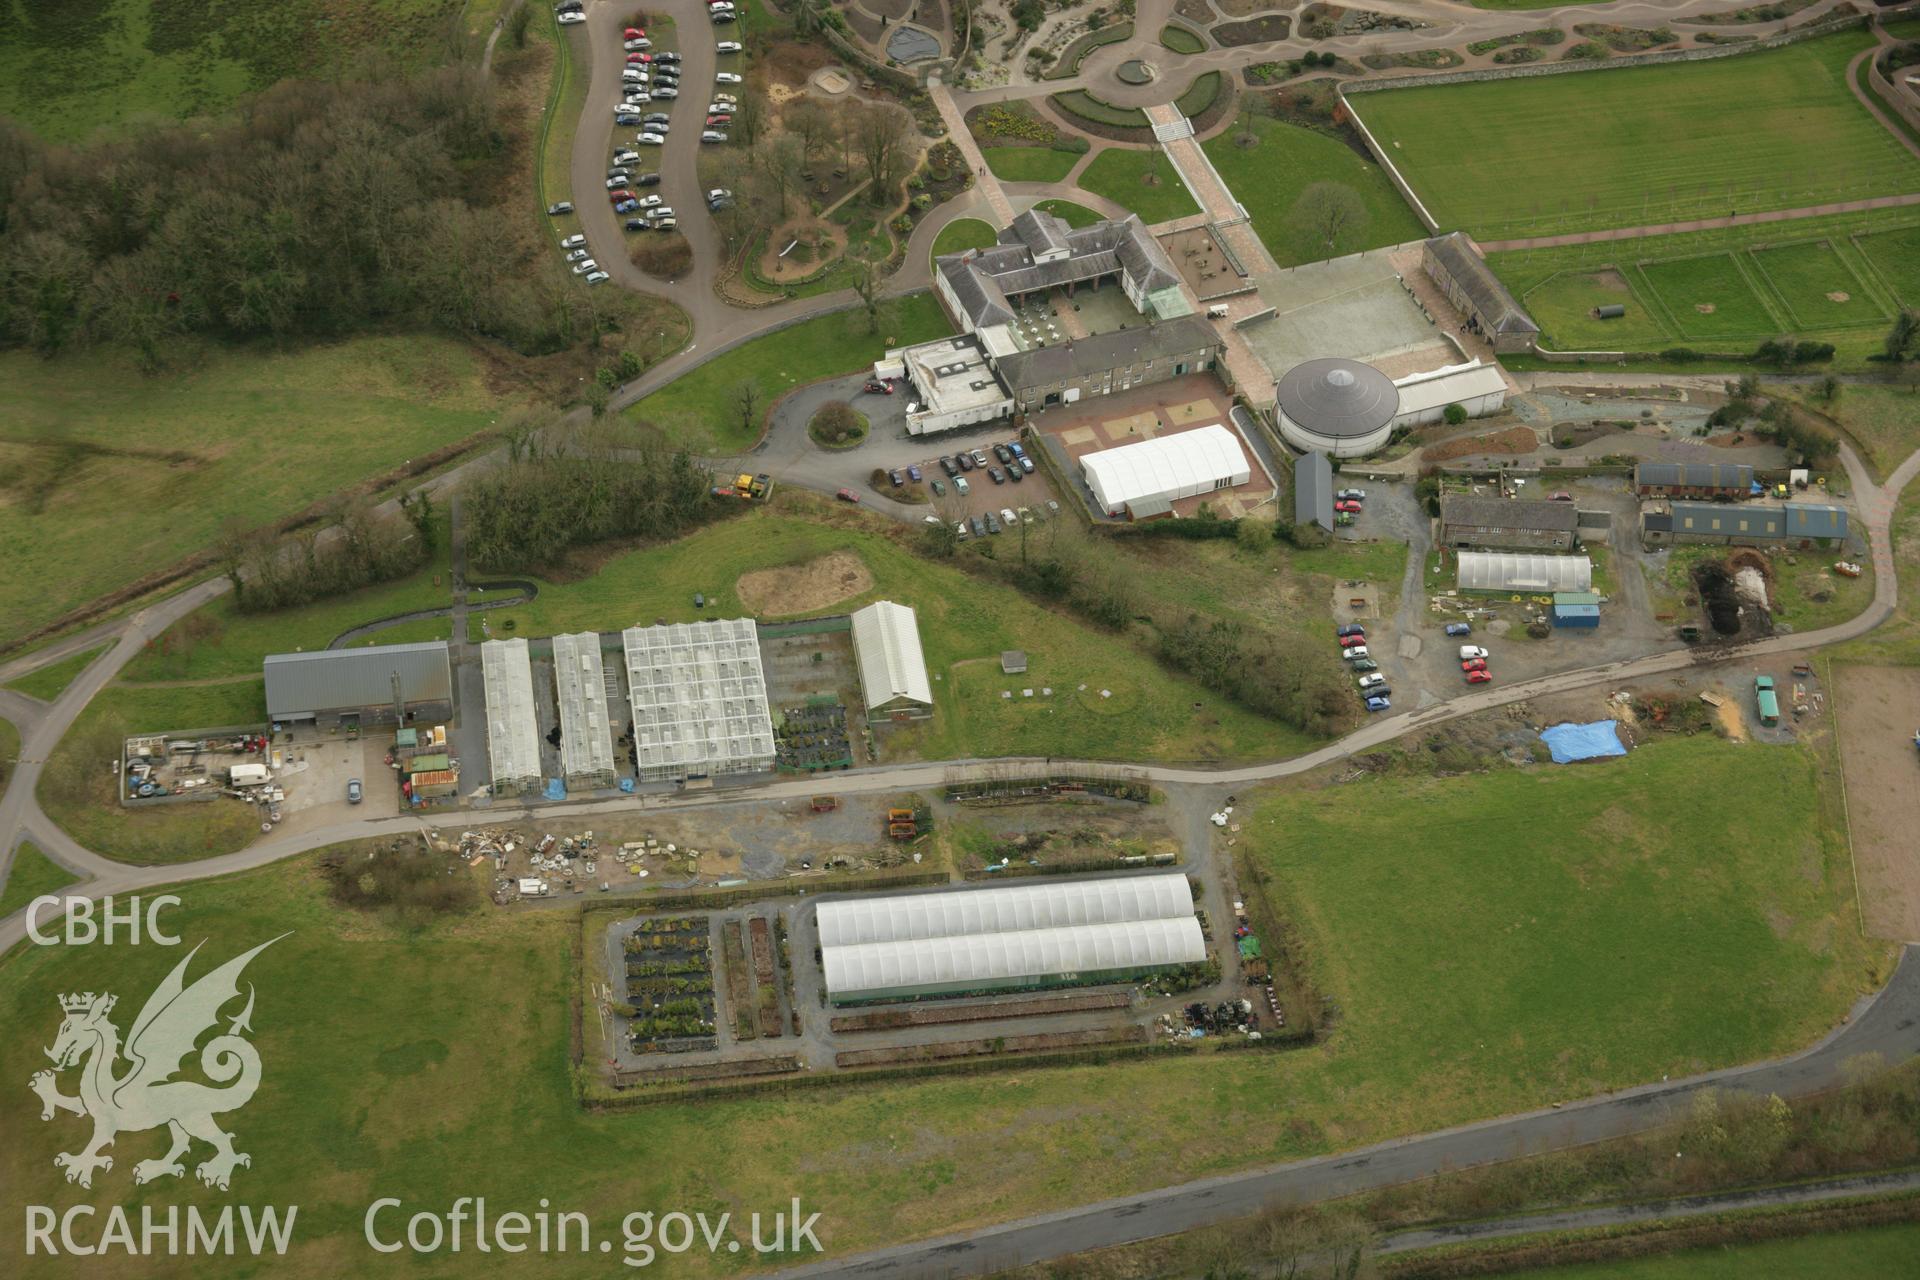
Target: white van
pixel 1218 311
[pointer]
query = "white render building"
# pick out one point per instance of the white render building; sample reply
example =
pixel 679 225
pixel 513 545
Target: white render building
pixel 893 670
pixel 699 697
pixel 909 946
pixel 513 735
pixel 1140 480
pixel 586 731
pixel 1478 388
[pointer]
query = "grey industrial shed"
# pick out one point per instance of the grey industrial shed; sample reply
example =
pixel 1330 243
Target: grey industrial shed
pixel 379 684
pixel 1313 490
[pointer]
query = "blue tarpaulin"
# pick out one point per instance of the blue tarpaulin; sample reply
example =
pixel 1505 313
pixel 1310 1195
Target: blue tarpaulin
pixel 1570 742
pixel 556 789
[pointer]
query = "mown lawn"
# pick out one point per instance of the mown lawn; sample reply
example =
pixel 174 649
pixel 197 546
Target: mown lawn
pixel 966 620
pixel 107 474
pixel 68 72
pixel 1865 1251
pixel 699 409
pixel 1489 969
pixel 962 234
pixel 1029 164
pixel 1818 289
pixel 1772 130
pixel 1074 215
pixel 1269 177
pixel 1709 299
pixel 78 789
pixel 33 874
pixel 1120 174
pixel 50 681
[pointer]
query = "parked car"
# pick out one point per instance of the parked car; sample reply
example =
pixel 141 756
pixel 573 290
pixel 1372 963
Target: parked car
pixel 1369 681
pixel 627 206
pixel 625 120
pixel 1351 493
pixel 1053 508
pixel 651 139
pixel 1356 653
pixel 966 461
pixel 1013 446
pixel 712 135
pixel 669 57
pixel 625 156
pixel 1008 518
pixel 639 59
pixel 573 241
pixel 1343 521
pixel 1348 505
pixel 1379 704
pixel 648 202
pixel 727 98
pixel 726 77
pixel 979 457
pixel 634 33
pixel 1349 641
pixel 961 487
pixel 1365 664
pixel 993 523
pixel 572 17
pixel 847 495
pixel 574 255
pixel 559 207
pixel 1026 464
pixel 1559 495
pixel 618 180
pixel 961 531
pixel 353 791
pixel 1026 516
pixel 1474 664
pixel 728 46
pixel 636 224
pixel 1459 629
pixel 1351 629
pixel 598 277
pixel 913 473
pixel 647 180
pixel 666 222
pixel 640 42
pixel 660 211
pixel 714 122
pixel 665 94
pixel 978 526
pixel 585 265
pixel 725 193
pixel 1004 454
pixel 939 489
pixel 1473 651
pixel 993 474
pixel 1479 677
pixel 724 15
pixel 947 465
pixel 619 194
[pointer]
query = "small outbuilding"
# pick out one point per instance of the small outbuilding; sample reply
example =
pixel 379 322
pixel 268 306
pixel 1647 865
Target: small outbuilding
pixel 1576 610
pixel 1137 479
pixel 1013 662
pixel 893 670
pixel 1313 490
pixel 1454 263
pixel 1725 480
pixel 1342 408
pixel 1480 389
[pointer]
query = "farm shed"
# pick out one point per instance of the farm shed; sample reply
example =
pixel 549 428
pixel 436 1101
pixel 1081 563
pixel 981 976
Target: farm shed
pixel 586 731
pixel 1511 524
pixel 1577 610
pixel 1508 573
pixel 910 946
pixel 1313 490
pixel 1693 479
pixel 1799 524
pixel 1478 388
pixel 699 697
pixel 513 735
pixel 893 670
pixel 384 683
pixel 1342 408
pixel 1135 477
pixel 1454 263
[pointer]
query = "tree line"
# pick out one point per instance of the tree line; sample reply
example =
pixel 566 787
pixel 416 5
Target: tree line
pixel 554 493
pixel 354 549
pixel 319 210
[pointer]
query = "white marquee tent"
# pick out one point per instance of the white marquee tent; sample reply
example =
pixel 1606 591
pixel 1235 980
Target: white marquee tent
pixel 1165 469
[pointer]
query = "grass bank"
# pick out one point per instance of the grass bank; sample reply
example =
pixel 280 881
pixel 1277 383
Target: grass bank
pixel 32 875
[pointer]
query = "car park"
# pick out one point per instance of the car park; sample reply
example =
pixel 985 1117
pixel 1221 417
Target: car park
pixel 573 241
pixel 961 487
pixel 1356 653
pixel 993 474
pixel 728 46
pixel 1379 704
pixel 598 277
pixel 1459 629
pixel 1351 629
pixel 1474 664
pixel 585 265
pixel 1349 641
pixel 1473 651
pixel 1369 681
pixel 847 495
pixel 1479 677
pixel 559 207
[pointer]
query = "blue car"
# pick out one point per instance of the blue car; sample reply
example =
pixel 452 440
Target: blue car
pixel 913 474
pixel 626 206
pixel 1378 704
pixel 1459 629
pixel 626 118
pixel 1017 451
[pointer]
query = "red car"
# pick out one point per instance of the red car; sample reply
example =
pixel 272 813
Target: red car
pixel 1474 664
pixel 1347 504
pixel 847 495
pixel 639 57
pixel 1348 642
pixel 713 121
pixel 621 194
pixel 879 388
pixel 1479 677
pixel 633 33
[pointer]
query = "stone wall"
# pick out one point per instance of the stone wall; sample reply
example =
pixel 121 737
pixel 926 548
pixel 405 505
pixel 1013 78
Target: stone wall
pixel 1890 97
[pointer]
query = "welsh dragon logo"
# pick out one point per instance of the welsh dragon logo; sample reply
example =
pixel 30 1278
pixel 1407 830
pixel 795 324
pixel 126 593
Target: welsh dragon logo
pixel 146 1095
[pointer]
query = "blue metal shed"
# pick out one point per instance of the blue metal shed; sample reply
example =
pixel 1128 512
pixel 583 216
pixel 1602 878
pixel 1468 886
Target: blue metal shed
pixel 1577 609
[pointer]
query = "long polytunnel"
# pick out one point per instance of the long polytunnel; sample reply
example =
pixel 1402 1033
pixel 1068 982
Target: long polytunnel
pixel 1012 909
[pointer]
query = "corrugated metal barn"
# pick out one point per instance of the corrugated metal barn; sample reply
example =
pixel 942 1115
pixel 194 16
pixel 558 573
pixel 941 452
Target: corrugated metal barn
pixel 380 684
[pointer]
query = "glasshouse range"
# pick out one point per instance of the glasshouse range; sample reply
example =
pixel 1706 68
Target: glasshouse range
pixel 1016 938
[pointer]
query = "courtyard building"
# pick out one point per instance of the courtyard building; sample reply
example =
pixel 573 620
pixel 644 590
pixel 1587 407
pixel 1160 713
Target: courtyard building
pixel 1454 263
pixel 1723 480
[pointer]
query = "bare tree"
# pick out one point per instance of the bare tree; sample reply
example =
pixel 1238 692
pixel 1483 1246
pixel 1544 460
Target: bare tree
pixel 747 397
pixel 1331 213
pixel 864 277
pixel 749 118
pixel 809 121
pixel 882 138
pixel 780 166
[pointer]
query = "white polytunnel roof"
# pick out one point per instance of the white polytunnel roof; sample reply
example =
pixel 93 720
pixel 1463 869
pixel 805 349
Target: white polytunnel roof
pixel 513 737
pixel 1178 465
pixel 1517 571
pixel 886 647
pixel 987 958
pixel 1011 909
pixel 988 935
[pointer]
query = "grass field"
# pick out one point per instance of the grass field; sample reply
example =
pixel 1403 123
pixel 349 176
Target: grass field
pixel 1895 254
pixel 32 875
pixel 1882 421
pixel 1029 164
pixel 1771 130
pixel 962 234
pixel 1709 298
pixel 1120 175
pixel 1897 640
pixel 697 408
pixel 50 681
pixel 169 833
pixel 965 623
pixel 1074 215
pixel 1487 955
pixel 173 60
pixel 1563 306
pixel 1269 177
pixel 107 474
pixel 1867 1251
pixel 1817 286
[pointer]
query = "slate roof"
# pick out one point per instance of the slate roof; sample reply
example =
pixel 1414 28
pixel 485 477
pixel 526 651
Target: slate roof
pixel 1694 475
pixel 1070 361
pixel 1497 307
pixel 345 679
pixel 1313 490
pixel 1507 513
pixel 981 279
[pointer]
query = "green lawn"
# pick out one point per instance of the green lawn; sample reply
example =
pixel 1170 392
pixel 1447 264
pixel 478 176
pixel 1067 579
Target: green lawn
pixel 50 681
pixel 66 73
pixel 698 409
pixel 1564 305
pixel 1710 298
pixel 1895 254
pixel 1865 1251
pixel 107 474
pixel 1029 164
pixel 962 234
pixel 1074 215
pixel 1819 290
pixel 1181 40
pixel 33 874
pixel 965 622
pixel 1897 640
pixel 1497 963
pixel 1078 102
pixel 1771 130
pixel 1269 176
pixel 9 750
pixel 87 808
pixel 567 98
pixel 1120 174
